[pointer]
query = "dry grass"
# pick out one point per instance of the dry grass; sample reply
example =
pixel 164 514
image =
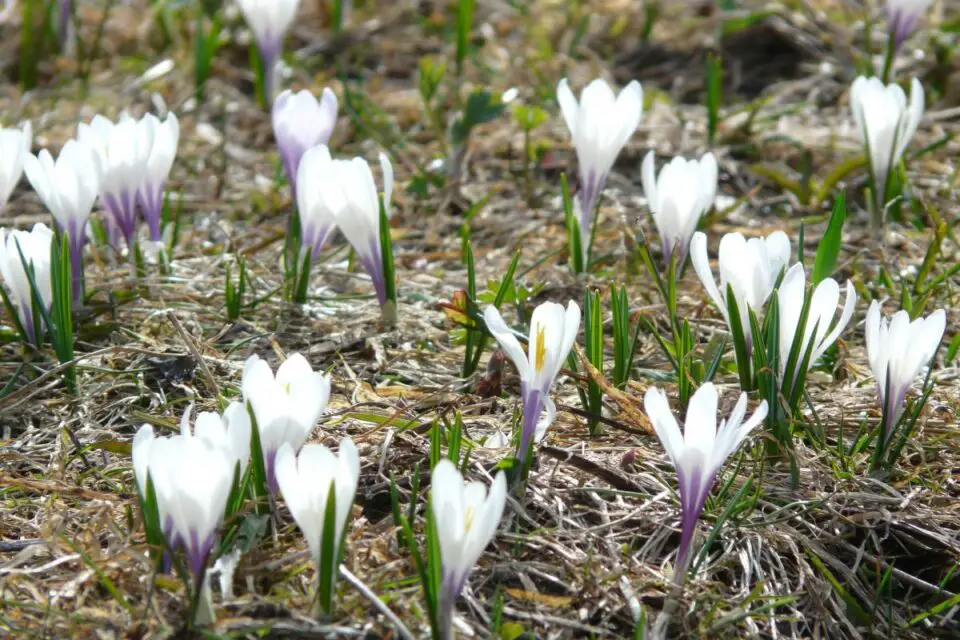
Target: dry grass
pixel 842 555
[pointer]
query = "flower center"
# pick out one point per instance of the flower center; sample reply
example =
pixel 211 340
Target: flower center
pixel 540 349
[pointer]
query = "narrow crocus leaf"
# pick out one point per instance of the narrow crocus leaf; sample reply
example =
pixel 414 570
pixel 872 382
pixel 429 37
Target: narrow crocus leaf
pixel 829 247
pixel 740 346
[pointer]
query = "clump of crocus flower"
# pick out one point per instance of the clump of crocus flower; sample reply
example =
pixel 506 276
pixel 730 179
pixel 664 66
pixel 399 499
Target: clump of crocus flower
pixel 193 474
pixel 750 268
pixel 301 122
pixel 698 452
pixel 678 197
pixel 30 248
pixel 466 518
pixel 14 149
pixel 600 125
pixel 69 188
pixel 286 406
pixel 307 482
pixel 343 193
pixel 886 123
pixel 899 349
pixel 269 20
pixel 553 331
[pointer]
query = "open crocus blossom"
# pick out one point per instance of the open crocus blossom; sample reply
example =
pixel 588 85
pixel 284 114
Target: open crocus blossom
pixel 677 198
pixel 69 187
pixel 467 518
pixel 286 406
pixel 750 267
pixel 698 453
pixel 820 317
pixel 898 350
pixel 35 247
pixel 301 122
pixel 269 20
pixel 162 139
pixel 553 331
pixel 192 477
pixel 600 125
pixel 346 189
pixel 886 124
pixel 903 16
pixel 124 148
pixel 317 219
pixel 305 482
pixel 14 149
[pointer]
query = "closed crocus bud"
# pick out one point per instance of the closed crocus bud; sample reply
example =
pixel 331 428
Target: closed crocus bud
pixel 898 350
pixel 228 435
pixel 162 139
pixel 678 198
pixel 903 16
pixel 192 479
pixel 35 249
pixel 124 149
pixel 467 518
pixel 820 318
pixel 600 125
pixel 553 331
pixel 68 187
pixel 14 149
pixel 698 453
pixel 305 482
pixel 301 122
pixel 750 267
pixel 269 20
pixel 886 124
pixel 317 219
pixel 286 406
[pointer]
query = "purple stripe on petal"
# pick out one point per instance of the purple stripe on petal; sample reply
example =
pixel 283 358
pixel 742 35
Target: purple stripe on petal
pixel 197 552
pixel 532 407
pixel 269 465
pixel 694 484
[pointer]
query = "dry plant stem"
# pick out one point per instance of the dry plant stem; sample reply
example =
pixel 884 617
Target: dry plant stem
pixel 367 593
pixel 214 387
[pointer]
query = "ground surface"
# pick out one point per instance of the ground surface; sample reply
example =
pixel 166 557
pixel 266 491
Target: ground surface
pixel 843 555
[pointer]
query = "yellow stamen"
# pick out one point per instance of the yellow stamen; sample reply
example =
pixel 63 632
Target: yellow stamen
pixel 540 349
pixel 286 387
pixel 468 520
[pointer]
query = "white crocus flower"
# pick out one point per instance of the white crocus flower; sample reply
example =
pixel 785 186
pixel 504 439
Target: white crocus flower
pixel 898 350
pixel 162 138
pixel 903 16
pixel 886 124
pixel 269 20
pixel 229 432
pixel 600 125
pixel 286 407
pixel 301 122
pixel 678 198
pixel 823 309
pixel 305 482
pixel 467 518
pixel 69 188
pixel 553 331
pixel 750 267
pixel 698 453
pixel 14 149
pixel 346 189
pixel 35 247
pixel 317 219
pixel 124 150
pixel 192 480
